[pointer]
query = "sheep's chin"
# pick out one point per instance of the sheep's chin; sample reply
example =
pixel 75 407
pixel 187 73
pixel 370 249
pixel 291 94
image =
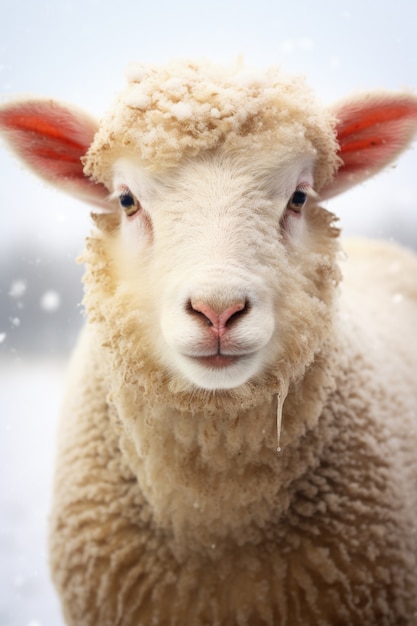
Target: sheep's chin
pixel 227 373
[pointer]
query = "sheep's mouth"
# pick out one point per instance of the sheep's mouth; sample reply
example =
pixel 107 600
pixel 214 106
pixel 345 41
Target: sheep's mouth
pixel 218 370
pixel 217 361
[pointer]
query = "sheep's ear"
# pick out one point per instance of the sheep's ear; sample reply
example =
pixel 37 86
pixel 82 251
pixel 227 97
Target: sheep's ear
pixel 372 130
pixel 51 138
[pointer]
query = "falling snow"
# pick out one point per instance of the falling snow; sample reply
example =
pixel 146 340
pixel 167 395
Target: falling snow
pixel 17 289
pixel 50 301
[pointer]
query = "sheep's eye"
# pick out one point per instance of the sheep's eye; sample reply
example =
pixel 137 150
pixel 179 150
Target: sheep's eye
pixel 129 203
pixel 297 201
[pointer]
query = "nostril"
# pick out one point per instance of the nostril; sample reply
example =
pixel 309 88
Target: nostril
pixel 232 313
pixel 204 311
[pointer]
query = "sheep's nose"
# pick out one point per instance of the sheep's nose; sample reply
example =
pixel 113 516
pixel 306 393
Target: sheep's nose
pixel 218 320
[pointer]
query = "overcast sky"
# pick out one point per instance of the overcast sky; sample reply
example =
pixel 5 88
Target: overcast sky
pixel 77 51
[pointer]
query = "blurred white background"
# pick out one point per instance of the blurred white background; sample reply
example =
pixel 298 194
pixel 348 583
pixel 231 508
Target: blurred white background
pixel 77 51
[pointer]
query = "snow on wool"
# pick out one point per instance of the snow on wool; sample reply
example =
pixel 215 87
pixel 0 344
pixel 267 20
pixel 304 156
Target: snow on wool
pixel 237 442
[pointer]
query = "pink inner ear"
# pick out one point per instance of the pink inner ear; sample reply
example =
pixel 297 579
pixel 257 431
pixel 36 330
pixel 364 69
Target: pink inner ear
pixel 29 122
pixel 372 131
pixel 352 122
pixel 39 139
pixel 376 129
pixel 52 138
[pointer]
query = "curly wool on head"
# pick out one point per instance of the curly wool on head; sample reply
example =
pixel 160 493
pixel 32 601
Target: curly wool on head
pixel 175 111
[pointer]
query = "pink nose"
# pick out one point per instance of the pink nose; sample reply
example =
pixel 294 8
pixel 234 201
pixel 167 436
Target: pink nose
pixel 218 322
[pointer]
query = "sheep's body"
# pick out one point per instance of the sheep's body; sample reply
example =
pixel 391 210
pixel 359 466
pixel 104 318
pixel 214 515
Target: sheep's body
pixel 345 550
pixel 212 294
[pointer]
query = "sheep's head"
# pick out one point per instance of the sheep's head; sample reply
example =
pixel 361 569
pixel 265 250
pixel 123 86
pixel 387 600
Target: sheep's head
pixel 216 175
pixel 220 265
pixel 229 262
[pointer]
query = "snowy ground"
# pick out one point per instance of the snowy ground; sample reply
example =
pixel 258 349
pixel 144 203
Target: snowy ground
pixel 30 394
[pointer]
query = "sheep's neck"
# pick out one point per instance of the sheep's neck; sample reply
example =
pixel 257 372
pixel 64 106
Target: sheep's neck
pixel 208 478
pixel 205 478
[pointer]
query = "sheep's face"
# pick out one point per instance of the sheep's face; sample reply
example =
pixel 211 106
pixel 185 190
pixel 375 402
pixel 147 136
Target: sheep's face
pixel 227 254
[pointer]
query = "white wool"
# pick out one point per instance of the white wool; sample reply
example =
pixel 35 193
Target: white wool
pixel 138 98
pixel 175 87
pixel 248 78
pixel 135 72
pixel 181 111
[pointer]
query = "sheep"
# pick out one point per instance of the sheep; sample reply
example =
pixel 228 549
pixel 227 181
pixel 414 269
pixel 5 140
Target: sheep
pixel 237 440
